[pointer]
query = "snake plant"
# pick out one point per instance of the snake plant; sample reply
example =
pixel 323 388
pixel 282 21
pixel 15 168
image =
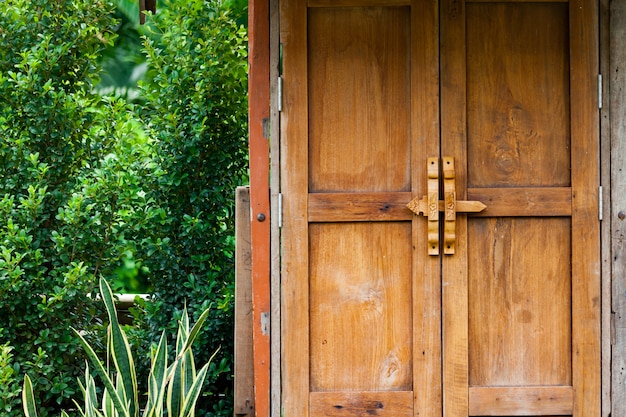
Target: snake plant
pixel 173 389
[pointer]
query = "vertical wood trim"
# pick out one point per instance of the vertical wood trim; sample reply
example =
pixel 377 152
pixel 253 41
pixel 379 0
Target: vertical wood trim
pixel 258 102
pixel 454 268
pixel 586 367
pixel 274 196
pixel 617 79
pixel 294 183
pixel 605 225
pixel 426 270
pixel 244 353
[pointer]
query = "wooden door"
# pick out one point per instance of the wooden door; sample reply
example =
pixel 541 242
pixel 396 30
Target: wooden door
pixel 372 324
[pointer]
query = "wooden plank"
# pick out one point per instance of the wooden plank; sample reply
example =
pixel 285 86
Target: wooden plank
pixel 275 328
pixel 337 207
pixel 617 79
pixel 605 179
pixel 517 1
pixel 294 187
pixel 455 268
pixel 426 289
pixel 523 201
pixel 586 367
pixel 348 404
pixel 521 401
pixel 244 353
pixel 258 108
pixel 358 3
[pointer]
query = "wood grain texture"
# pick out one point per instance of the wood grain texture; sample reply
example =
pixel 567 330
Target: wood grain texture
pixel 454 268
pixel 426 278
pixel 358 71
pixel 358 3
pixel 244 354
pixel 336 207
pixel 349 404
pixel 520 302
pixel 605 225
pixel 586 353
pixel 521 401
pixel 258 109
pixel 518 101
pixel 360 294
pixel 523 201
pixel 275 251
pixel 294 186
pixel 617 79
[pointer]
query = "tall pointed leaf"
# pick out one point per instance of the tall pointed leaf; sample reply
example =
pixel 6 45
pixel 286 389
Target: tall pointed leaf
pixel 120 352
pixel 106 379
pixel 194 393
pixel 158 380
pixel 28 399
pixel 196 329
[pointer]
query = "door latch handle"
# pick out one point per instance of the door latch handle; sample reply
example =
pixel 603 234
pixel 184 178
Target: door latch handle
pixel 449 198
pixel 430 206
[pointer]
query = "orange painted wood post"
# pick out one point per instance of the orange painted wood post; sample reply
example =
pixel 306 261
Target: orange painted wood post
pixel 259 109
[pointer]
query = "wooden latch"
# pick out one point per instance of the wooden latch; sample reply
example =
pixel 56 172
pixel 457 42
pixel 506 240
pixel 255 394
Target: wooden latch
pixel 430 206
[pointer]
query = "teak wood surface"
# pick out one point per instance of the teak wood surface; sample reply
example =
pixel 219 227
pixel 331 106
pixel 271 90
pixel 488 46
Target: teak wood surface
pixel 371 323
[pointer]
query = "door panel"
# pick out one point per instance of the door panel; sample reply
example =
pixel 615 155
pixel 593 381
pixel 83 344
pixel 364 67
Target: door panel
pixel 520 301
pixel 359 102
pixel 371 324
pixel 361 306
pixel 518 95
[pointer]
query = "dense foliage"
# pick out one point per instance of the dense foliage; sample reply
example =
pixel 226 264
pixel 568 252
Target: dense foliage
pixel 196 110
pixel 53 132
pixel 91 187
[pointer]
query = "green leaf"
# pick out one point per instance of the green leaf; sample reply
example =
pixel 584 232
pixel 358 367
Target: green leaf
pixel 121 354
pixel 196 329
pixel 102 372
pixel 28 399
pixel 194 393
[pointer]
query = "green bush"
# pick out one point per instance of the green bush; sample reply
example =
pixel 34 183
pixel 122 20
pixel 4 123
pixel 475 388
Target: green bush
pixel 196 109
pixel 87 190
pixel 69 207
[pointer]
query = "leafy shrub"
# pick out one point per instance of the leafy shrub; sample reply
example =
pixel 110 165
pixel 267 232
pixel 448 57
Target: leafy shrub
pixel 196 109
pixel 173 389
pixel 69 209
pixel 84 192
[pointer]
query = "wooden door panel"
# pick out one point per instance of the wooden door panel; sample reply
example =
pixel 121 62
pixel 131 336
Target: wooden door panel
pixel 359 103
pixel 361 308
pixel 519 301
pixel 518 95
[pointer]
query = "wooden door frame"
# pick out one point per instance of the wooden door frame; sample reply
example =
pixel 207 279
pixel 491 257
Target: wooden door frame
pixel 264 40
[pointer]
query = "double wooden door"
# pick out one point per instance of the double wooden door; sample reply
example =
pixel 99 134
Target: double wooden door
pixel 390 313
